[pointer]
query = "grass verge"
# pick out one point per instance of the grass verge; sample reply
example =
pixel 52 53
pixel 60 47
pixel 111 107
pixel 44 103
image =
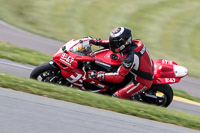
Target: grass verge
pixel 100 101
pixel 22 55
pixel 185 95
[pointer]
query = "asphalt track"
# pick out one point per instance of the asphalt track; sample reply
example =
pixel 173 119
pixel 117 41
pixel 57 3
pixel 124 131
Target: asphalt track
pixel 26 113
pixel 21 38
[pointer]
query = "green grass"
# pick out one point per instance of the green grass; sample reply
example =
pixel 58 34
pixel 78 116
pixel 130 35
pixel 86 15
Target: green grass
pixel 100 101
pixel 185 95
pixel 169 28
pixel 31 57
pixel 22 55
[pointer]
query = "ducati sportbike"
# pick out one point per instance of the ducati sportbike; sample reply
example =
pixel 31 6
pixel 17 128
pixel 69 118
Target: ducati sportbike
pixel 75 58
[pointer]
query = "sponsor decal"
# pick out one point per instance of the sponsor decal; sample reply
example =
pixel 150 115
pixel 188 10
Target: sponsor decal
pixel 74 78
pixel 166 61
pixel 66 59
pixel 170 80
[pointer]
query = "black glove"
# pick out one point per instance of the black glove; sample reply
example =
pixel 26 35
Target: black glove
pixel 97 41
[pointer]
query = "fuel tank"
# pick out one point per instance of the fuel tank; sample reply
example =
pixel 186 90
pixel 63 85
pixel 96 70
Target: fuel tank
pixel 108 57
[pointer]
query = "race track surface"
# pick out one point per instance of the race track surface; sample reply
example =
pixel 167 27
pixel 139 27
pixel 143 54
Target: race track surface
pixel 21 38
pixel 26 113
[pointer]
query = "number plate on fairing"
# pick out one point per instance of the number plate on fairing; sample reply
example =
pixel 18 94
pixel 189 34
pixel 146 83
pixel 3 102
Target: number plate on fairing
pixel 170 80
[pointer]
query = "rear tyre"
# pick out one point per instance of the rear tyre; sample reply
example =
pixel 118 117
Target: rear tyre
pixel 160 95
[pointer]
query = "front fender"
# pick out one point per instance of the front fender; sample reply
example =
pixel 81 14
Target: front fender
pixel 53 64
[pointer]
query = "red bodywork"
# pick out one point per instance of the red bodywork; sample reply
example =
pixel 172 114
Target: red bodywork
pixel 164 72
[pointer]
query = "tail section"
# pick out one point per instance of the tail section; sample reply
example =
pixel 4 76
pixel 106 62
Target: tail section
pixel 167 72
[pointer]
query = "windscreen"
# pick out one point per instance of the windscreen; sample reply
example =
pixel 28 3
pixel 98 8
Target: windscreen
pixel 82 48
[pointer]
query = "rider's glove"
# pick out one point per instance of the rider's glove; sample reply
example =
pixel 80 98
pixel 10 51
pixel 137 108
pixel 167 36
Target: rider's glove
pixel 87 37
pixel 97 41
pixel 92 74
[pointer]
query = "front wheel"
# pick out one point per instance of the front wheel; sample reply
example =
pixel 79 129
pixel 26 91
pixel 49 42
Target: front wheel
pixel 48 73
pixel 160 95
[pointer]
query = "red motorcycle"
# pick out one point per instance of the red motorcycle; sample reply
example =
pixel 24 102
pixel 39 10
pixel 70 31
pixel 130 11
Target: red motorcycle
pixel 75 58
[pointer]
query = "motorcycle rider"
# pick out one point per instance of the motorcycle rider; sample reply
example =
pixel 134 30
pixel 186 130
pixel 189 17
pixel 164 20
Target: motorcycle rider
pixel 137 61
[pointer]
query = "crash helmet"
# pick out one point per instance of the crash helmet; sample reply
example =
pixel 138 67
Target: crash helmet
pixel 119 39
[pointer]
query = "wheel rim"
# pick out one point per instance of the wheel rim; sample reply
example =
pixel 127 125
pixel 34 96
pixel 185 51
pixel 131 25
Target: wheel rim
pixel 47 76
pixel 156 97
pixel 161 98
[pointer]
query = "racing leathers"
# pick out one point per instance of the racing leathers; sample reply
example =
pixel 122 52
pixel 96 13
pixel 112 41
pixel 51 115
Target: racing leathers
pixel 137 61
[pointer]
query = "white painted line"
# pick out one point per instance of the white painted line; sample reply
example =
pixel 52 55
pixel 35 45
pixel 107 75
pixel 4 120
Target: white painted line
pixel 6 62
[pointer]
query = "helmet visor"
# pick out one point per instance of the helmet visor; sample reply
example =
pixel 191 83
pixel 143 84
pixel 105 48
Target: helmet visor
pixel 115 45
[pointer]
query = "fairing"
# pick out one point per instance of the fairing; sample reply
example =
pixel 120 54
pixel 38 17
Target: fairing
pixel 108 57
pixel 168 72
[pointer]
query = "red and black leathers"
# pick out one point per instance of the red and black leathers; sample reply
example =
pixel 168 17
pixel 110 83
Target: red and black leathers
pixel 138 62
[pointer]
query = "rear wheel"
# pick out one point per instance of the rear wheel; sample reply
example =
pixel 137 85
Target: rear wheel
pixel 160 95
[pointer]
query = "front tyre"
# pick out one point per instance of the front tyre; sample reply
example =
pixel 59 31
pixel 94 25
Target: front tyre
pixel 47 73
pixel 160 95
